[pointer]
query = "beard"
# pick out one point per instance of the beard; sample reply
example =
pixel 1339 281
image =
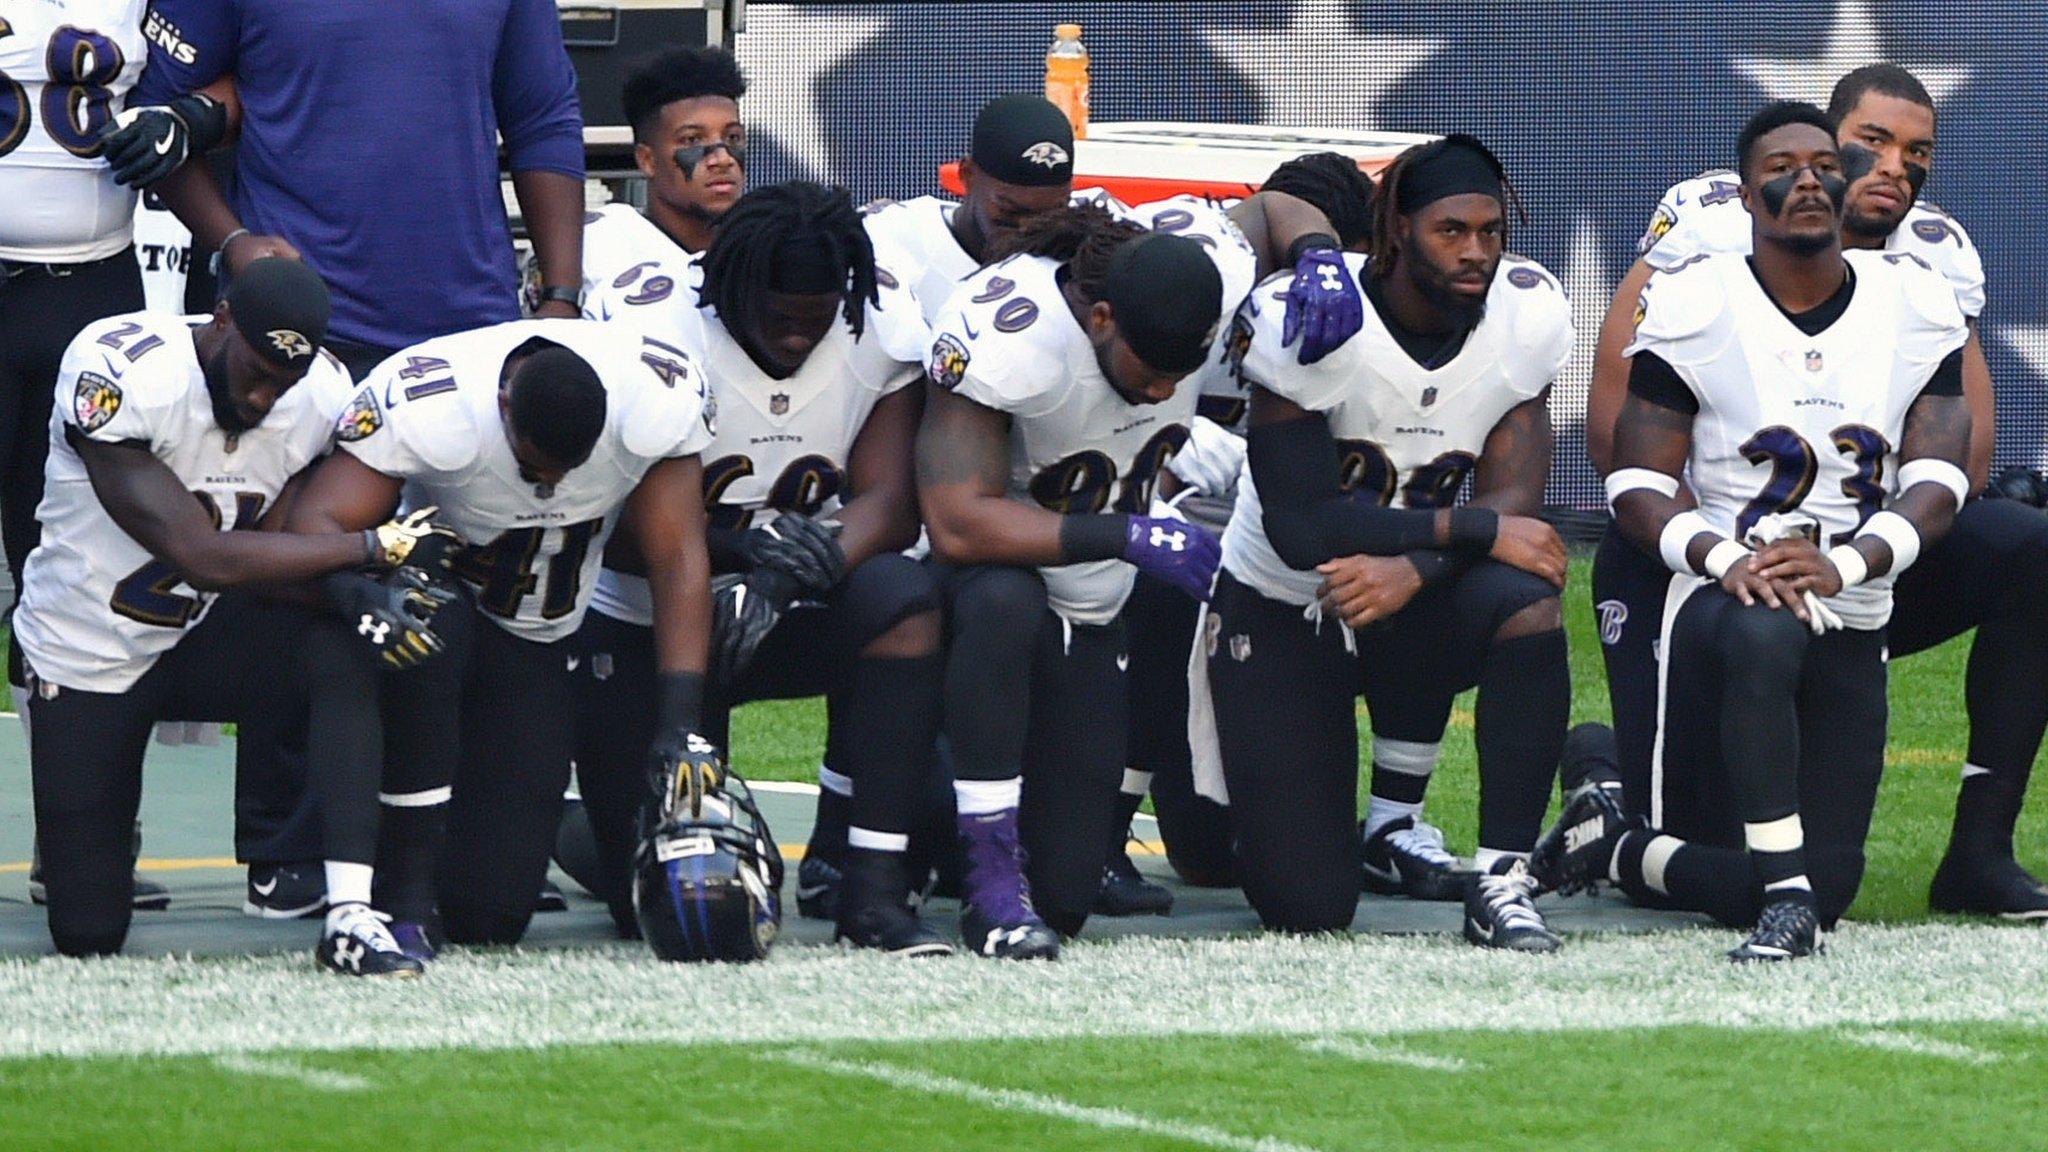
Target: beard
pixel 1461 310
pixel 225 413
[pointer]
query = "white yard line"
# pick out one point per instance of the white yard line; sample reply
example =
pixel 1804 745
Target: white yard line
pixel 278 1068
pixel 1365 988
pixel 1917 1045
pixel 1367 1052
pixel 1037 1104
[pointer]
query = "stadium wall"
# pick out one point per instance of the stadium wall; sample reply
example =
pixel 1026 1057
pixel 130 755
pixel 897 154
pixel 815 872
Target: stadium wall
pixel 1596 108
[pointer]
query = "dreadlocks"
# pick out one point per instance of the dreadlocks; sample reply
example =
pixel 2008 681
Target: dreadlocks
pixel 1335 185
pixel 776 235
pixel 1083 237
pixel 1386 208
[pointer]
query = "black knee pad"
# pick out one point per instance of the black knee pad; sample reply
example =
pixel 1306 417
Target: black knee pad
pixel 1004 604
pixel 883 592
pixel 1754 639
pixel 1498 591
pixel 1303 915
pixel 81 945
pixel 478 925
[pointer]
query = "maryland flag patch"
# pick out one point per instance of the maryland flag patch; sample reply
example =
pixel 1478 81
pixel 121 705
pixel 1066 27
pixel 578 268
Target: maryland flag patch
pixel 95 401
pixel 359 419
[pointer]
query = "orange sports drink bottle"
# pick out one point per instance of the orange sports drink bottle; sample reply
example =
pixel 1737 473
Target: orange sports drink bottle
pixel 1066 77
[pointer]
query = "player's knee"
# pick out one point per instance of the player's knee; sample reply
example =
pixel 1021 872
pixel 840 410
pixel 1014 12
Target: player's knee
pixel 1305 913
pixel 480 926
pixel 911 637
pixel 1545 615
pixel 894 604
pixel 999 602
pixel 1756 640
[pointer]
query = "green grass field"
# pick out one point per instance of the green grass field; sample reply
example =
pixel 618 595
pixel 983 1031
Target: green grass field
pixel 1910 1033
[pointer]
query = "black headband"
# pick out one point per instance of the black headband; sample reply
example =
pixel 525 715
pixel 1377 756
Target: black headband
pixel 1457 165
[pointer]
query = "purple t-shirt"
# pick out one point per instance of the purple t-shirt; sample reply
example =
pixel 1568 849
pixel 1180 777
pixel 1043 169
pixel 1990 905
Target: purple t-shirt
pixel 369 140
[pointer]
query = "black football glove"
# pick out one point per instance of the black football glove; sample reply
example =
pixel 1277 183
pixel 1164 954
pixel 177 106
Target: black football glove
pixel 144 145
pixel 805 550
pixel 682 765
pixel 744 611
pixel 392 613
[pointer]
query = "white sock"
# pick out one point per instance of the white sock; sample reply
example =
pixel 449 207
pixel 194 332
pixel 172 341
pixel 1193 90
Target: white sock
pixel 349 883
pixel 1384 812
pixel 981 797
pixel 869 840
pixel 838 783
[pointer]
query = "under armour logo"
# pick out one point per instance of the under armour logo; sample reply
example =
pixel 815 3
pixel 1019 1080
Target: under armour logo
pixel 292 344
pixel 1047 154
pixel 1613 614
pixel 1161 538
pixel 1331 281
pixel 377 630
pixel 699 746
pixel 350 952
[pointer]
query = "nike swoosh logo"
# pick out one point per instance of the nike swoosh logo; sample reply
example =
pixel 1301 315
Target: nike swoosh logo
pixel 968 326
pixel 163 146
pixel 1484 932
pixel 804 893
pixel 264 889
pixel 1390 875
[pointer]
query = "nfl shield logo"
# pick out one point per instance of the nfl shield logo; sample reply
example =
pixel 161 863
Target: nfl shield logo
pixel 1813 363
pixel 778 404
pixel 1429 396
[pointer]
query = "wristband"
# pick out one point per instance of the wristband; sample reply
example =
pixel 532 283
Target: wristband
pixel 1435 566
pixel 220 251
pixel 1088 536
pixel 373 552
pixel 1676 539
pixel 1723 556
pixel 558 294
pixel 1313 242
pixel 1929 470
pixel 1474 530
pixel 1849 562
pixel 1899 534
pixel 681 697
pixel 1640 479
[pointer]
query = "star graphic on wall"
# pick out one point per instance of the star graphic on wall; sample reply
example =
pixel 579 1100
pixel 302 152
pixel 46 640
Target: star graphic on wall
pixel 1305 95
pixel 1853 41
pixel 837 33
pixel 2028 342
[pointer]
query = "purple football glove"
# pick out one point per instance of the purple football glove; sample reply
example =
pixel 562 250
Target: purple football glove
pixel 1175 551
pixel 1324 308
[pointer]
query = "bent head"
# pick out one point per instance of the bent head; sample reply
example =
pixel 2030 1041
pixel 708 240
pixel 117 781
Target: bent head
pixel 268 332
pixel 1022 164
pixel 552 405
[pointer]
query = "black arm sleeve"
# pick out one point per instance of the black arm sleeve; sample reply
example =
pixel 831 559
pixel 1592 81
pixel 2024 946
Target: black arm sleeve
pixel 1652 378
pixel 1308 520
pixel 1948 377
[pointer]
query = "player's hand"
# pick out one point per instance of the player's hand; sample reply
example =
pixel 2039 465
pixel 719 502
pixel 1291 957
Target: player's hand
pixel 1800 564
pixel 683 766
pixel 1362 589
pixel 1324 307
pixel 743 613
pixel 1746 584
pixel 249 247
pixel 393 613
pixel 143 145
pixel 801 548
pixel 1171 549
pixel 398 539
pixel 1529 544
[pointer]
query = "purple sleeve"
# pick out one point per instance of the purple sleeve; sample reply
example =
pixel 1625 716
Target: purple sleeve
pixel 192 43
pixel 534 89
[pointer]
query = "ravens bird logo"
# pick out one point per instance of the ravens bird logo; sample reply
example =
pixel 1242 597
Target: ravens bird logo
pixel 359 419
pixel 949 362
pixel 1047 154
pixel 292 344
pixel 95 401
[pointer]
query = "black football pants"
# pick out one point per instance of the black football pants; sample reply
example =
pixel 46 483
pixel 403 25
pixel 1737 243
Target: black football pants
pixel 246 662
pixel 1195 829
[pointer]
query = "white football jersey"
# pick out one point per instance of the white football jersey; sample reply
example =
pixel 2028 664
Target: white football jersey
pixel 1007 340
pixel 430 416
pixel 1790 421
pixel 617 241
pixel 915 239
pixel 97 608
pixel 71 64
pixel 1407 435
pixel 782 445
pixel 1705 215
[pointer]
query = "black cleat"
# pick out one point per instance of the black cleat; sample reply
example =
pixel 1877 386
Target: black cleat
pixel 877 914
pixel 1573 855
pixel 1500 911
pixel 286 891
pixel 817 888
pixel 1787 930
pixel 358 944
pixel 1126 892
pixel 550 898
pixel 1407 858
pixel 1589 753
pixel 1987 886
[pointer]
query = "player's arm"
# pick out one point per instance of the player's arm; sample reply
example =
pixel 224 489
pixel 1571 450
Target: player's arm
pixel 665 514
pixel 1932 486
pixel 533 90
pixel 963 467
pixel 1514 466
pixel 1309 519
pixel 1273 222
pixel 1611 365
pixel 343 494
pixel 1983 410
pixel 145 498
pixel 882 473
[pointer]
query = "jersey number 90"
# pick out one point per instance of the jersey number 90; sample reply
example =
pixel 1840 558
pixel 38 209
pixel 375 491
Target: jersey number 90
pixel 1082 482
